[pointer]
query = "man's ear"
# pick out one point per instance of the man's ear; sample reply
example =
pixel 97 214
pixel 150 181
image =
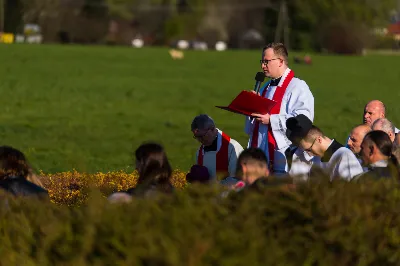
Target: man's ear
pixel 392 137
pixel 371 150
pixel 267 172
pixel 319 139
pixel 244 168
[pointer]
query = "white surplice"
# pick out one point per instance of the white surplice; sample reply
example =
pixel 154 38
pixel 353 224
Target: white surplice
pixel 337 162
pixel 301 163
pixel 210 157
pixel 297 99
pixel 340 162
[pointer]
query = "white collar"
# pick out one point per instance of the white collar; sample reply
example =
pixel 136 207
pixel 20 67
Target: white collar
pixel 381 163
pixel 285 74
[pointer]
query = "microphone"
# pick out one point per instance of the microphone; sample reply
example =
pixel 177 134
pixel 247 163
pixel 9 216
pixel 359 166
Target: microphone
pixel 260 76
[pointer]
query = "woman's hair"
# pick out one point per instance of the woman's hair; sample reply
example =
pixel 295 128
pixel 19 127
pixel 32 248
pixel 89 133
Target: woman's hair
pixel 13 163
pixel 153 167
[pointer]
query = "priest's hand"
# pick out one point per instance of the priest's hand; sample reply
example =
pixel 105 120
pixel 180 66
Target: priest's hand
pixel 264 119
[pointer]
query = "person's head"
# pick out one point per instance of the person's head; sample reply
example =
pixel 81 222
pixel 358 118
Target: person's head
pixel 198 174
pixel 356 137
pixel 274 60
pixel 13 163
pixel 251 165
pixel 386 126
pixel 152 165
pixel 315 143
pixel 204 130
pixel 373 110
pixel 302 133
pixel 376 146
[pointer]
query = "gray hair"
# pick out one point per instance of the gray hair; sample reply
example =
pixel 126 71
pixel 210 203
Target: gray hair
pixel 385 124
pixel 202 121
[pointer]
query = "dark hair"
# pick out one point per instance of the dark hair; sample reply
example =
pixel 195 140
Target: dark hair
pixel 314 133
pixel 202 121
pixel 381 140
pixel 13 163
pixel 155 169
pixel 251 156
pixel 279 49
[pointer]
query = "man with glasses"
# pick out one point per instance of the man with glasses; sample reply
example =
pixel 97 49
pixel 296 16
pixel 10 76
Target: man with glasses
pixel 218 152
pixel 293 97
pixel 332 157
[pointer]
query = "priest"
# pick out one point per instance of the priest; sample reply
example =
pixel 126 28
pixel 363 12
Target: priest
pixel 335 160
pixel 292 96
pixel 218 152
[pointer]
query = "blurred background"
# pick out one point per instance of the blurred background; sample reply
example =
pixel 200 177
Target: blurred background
pixel 337 26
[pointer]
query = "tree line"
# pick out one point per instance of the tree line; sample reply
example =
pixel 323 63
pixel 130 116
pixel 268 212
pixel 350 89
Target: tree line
pixel 340 25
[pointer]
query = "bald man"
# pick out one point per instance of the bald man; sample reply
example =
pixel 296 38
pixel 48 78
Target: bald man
pixel 356 137
pixel 374 110
pixel 386 126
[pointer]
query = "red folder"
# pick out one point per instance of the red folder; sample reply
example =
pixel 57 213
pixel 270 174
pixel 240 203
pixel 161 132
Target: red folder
pixel 247 103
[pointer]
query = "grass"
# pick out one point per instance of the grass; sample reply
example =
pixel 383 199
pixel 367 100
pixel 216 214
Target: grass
pixel 88 108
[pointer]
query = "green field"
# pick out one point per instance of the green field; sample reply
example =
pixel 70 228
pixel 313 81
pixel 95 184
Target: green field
pixel 88 108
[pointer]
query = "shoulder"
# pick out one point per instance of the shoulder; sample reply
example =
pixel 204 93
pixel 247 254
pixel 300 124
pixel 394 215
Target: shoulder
pixel 299 84
pixel 233 143
pixel 345 152
pixel 21 187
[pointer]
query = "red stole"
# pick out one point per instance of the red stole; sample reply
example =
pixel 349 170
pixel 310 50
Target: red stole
pixel 278 96
pixel 222 162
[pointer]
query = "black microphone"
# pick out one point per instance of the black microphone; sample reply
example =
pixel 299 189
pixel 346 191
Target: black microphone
pixel 260 76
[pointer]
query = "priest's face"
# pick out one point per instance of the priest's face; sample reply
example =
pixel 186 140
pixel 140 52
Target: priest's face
pixel 205 136
pixel 271 64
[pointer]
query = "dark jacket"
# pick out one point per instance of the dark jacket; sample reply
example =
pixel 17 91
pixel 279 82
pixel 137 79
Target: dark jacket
pixel 388 170
pixel 19 186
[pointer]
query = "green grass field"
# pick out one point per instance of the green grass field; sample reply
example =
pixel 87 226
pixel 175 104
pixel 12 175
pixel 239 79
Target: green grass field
pixel 88 108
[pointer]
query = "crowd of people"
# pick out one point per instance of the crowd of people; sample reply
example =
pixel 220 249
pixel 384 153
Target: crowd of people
pixel 293 146
pixel 283 143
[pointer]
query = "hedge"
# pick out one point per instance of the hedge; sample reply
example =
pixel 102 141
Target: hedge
pixel 317 223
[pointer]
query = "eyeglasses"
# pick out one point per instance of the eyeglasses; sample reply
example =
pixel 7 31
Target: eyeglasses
pixel 201 136
pixel 309 149
pixel 265 62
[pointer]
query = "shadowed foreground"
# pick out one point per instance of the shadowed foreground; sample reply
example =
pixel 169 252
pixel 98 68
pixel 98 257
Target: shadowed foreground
pixel 273 224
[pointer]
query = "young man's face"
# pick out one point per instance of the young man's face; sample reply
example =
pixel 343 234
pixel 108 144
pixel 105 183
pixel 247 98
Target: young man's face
pixel 309 146
pixel 252 172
